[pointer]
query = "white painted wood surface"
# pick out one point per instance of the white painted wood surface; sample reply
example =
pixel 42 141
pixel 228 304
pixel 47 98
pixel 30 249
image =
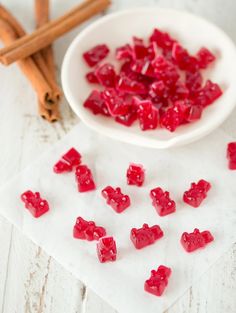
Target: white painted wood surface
pixel 30 280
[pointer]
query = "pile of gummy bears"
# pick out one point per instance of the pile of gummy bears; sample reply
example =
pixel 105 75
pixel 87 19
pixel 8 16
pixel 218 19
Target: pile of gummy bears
pixel 160 83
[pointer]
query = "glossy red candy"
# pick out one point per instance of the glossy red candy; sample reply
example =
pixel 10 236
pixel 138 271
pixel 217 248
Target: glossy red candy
pixel 73 157
pixel 139 49
pixel 145 236
pixel 106 75
pixel 135 174
pixel 129 86
pixel 114 102
pixel 197 193
pixel 195 240
pixel 162 39
pixel 158 281
pixel 147 115
pixel 183 59
pixel 84 178
pixel 159 73
pixel 165 71
pixel 34 203
pixel 193 113
pixel 116 199
pixel 106 249
pixel 129 118
pixel 62 167
pixel 91 78
pixel 174 116
pixel 231 155
pixel 179 92
pixel 208 94
pixel 204 58
pixel 96 104
pixel 87 230
pixel 96 55
pixel 162 202
pixel 193 82
pixel 124 52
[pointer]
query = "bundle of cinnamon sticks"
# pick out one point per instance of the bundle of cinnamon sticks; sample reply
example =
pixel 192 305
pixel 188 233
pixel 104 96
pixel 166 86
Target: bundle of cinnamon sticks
pixel 34 52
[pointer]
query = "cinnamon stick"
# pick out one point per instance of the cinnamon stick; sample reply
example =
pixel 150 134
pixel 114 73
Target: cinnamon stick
pixel 45 35
pixel 38 58
pixel 42 17
pixel 27 65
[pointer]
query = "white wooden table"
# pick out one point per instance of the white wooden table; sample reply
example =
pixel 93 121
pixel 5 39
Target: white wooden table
pixel 30 280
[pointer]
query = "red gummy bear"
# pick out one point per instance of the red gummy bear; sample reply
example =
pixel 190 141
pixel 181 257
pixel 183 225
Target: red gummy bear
pixel 87 230
pixel 96 54
pixel 197 193
pixel 145 236
pixel 106 75
pixel 158 281
pixel 69 160
pixel 96 104
pixel 34 203
pixel 116 199
pixel 231 155
pixel 135 174
pixel 204 57
pixel 195 240
pixel 147 114
pixel 62 167
pixel 84 178
pixel 106 249
pixel 162 202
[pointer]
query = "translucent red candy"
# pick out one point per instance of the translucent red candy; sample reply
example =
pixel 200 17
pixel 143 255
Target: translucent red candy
pixel 135 175
pixel 183 59
pixel 195 240
pixel 197 193
pixel 69 160
pixel 91 78
pixel 129 118
pixel 162 202
pixel 73 157
pixel 204 58
pixel 62 167
pixel 116 199
pixel 160 72
pixel 96 54
pixel 114 102
pixel 231 155
pixel 96 104
pixel 147 115
pixel 106 249
pixel 84 178
pixel 34 203
pixel 106 75
pixel 129 86
pixel 162 39
pixel 145 236
pixel 174 116
pixel 208 94
pixel 124 52
pixel 158 281
pixel 87 230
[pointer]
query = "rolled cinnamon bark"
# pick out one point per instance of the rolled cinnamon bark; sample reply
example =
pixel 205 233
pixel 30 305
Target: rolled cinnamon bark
pixel 38 58
pixel 45 35
pixel 27 65
pixel 42 17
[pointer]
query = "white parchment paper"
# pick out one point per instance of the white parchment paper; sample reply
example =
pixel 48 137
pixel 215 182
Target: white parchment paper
pixel 121 283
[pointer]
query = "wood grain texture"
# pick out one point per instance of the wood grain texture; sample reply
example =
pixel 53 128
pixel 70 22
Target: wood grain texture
pixel 30 280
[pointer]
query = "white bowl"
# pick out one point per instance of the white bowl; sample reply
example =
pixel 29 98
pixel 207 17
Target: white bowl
pixel 118 28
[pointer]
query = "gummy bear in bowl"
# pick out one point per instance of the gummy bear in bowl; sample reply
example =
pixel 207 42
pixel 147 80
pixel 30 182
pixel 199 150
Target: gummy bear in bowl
pixel 166 79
